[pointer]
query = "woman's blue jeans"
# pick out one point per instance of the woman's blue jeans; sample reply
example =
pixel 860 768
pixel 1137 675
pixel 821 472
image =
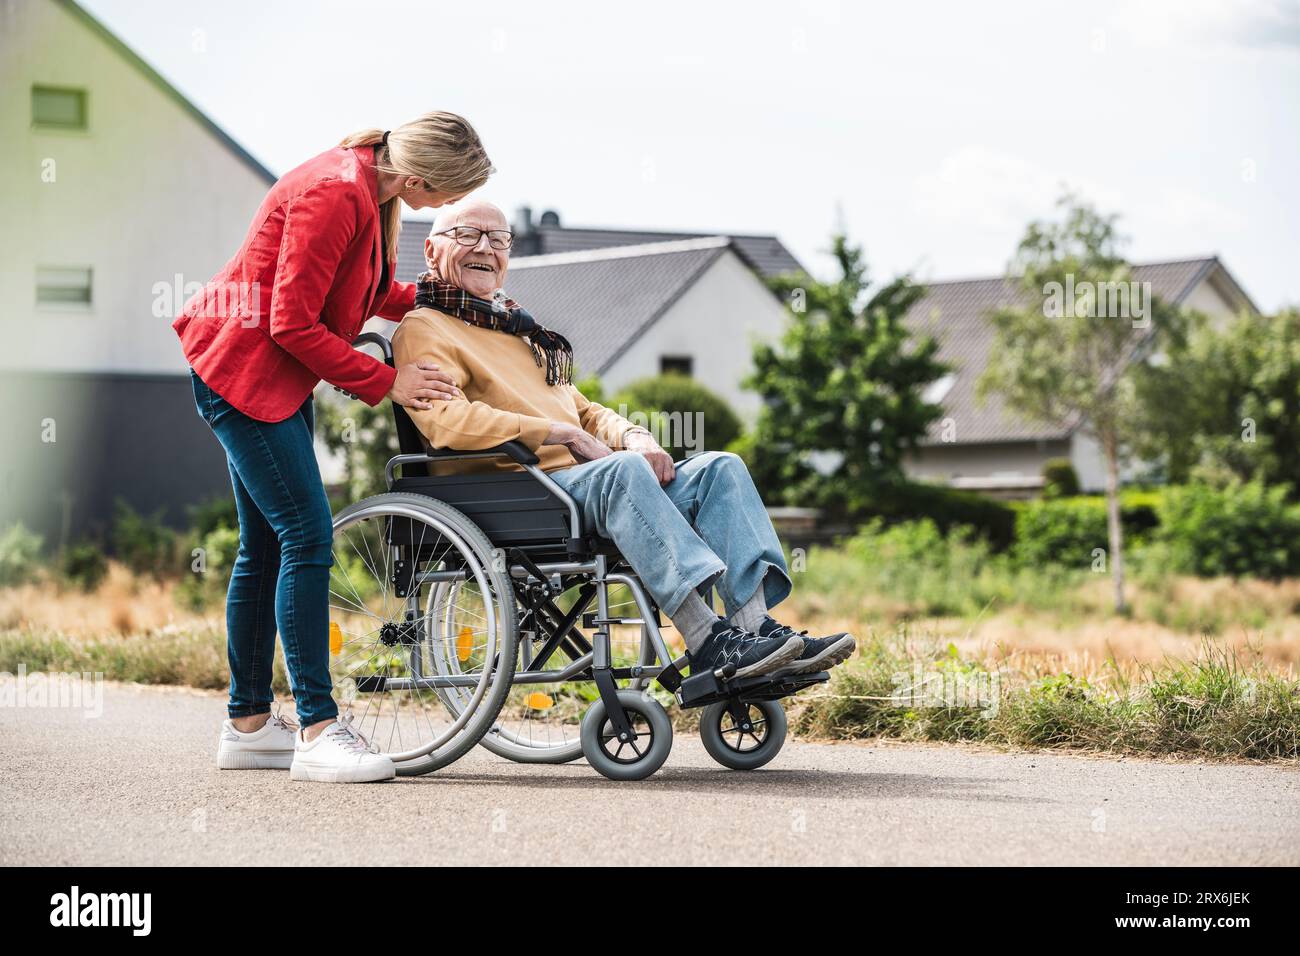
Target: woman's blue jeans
pixel 281 577
pixel 708 526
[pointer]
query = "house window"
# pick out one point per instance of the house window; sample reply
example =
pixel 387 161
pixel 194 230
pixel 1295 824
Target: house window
pixel 675 365
pixel 57 107
pixel 62 286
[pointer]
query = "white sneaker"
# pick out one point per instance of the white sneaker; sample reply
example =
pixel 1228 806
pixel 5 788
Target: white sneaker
pixel 268 748
pixel 339 754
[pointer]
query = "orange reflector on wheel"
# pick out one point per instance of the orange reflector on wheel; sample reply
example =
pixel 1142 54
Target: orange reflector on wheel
pixel 336 638
pixel 464 643
pixel 539 701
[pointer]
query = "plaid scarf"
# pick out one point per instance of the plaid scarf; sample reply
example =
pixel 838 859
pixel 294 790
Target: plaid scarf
pixel 551 350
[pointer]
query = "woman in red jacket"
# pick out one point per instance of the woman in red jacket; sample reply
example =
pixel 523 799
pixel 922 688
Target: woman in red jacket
pixel 316 263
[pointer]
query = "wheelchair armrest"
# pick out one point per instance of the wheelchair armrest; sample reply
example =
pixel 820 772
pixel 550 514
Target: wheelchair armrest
pixel 514 450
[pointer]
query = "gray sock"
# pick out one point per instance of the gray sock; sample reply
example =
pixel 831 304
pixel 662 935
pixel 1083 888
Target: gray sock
pixel 750 614
pixel 695 620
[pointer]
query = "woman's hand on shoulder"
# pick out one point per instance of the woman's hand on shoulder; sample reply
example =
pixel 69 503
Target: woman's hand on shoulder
pixel 420 384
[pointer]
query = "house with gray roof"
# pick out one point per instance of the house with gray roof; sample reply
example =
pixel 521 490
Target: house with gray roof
pixel 766 254
pixel 636 304
pixel 984 445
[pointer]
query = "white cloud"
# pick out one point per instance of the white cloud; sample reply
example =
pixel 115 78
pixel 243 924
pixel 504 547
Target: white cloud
pixel 1214 26
pixel 1182 211
pixel 996 192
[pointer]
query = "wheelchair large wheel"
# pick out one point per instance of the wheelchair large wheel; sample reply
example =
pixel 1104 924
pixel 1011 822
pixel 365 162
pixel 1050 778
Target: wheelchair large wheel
pixel 628 759
pixel 743 742
pixel 540 722
pixel 382 658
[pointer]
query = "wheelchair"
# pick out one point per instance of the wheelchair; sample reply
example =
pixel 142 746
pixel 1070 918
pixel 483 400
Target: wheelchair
pixel 475 608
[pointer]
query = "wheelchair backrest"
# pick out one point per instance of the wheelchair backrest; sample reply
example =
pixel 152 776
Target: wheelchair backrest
pixel 409 440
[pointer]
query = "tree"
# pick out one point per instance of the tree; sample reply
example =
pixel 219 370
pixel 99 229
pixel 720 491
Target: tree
pixel 1224 402
pixel 361 437
pixel 842 390
pixel 1068 356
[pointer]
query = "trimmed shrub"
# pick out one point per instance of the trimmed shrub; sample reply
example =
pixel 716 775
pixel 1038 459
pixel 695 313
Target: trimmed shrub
pixel 1242 529
pixel 947 508
pixel 1060 480
pixel 1067 530
pixel 1060 531
pixel 669 404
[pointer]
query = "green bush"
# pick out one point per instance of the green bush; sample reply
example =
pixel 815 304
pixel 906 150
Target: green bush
pixel 670 404
pixel 947 508
pixel 591 386
pixel 84 565
pixel 201 587
pixel 207 517
pixel 1060 480
pixel 1066 530
pixel 20 551
pixel 1060 531
pixel 1243 529
pixel 933 573
pixel 143 543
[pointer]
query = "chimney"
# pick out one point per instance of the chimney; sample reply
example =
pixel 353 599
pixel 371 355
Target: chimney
pixel 523 221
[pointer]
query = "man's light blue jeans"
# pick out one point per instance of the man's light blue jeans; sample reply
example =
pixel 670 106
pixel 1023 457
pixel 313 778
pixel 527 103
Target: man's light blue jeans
pixel 708 526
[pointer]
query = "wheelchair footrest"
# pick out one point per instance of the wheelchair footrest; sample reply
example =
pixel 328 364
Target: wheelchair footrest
pixel 706 688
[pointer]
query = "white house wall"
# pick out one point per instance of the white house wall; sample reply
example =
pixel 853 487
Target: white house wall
pixel 716 322
pixel 145 193
pixel 98 404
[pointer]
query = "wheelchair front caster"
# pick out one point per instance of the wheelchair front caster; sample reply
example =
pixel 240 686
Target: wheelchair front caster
pixel 628 759
pixel 741 735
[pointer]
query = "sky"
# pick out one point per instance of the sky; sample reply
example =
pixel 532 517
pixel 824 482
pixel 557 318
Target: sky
pixel 930 132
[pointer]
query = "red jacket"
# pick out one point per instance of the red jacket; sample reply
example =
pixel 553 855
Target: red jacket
pixel 282 314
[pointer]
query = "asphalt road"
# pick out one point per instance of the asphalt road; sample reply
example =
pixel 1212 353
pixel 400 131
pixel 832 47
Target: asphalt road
pixel 137 785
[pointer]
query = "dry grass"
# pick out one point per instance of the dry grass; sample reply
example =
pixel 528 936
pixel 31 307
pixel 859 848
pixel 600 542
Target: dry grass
pixel 1201 666
pixel 123 604
pixel 1170 618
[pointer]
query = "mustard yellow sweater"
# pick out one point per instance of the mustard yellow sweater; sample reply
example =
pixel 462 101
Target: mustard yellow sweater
pixel 506 395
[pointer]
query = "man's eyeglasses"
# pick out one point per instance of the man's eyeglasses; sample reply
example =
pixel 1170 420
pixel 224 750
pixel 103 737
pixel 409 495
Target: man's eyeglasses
pixel 469 236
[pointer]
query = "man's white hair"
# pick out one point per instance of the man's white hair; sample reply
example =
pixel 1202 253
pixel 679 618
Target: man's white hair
pixel 449 216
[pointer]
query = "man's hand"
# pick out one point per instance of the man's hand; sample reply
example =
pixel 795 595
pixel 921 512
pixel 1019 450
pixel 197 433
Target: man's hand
pixel 661 462
pixel 419 384
pixel 582 446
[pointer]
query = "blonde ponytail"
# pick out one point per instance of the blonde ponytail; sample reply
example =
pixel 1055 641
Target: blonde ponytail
pixel 440 148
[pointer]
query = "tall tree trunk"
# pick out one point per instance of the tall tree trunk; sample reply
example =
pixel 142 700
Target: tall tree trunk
pixel 1110 447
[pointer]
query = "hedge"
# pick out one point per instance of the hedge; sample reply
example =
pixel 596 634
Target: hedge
pixel 992 520
pixel 1244 529
pixel 1067 530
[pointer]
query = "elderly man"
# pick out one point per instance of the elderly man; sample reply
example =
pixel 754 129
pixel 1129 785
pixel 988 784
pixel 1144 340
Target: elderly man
pixel 680 526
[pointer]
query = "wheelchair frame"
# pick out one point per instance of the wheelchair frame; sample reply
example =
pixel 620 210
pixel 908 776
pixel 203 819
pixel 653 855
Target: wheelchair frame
pixel 537 583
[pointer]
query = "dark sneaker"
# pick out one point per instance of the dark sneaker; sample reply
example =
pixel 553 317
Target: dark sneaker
pixel 750 653
pixel 819 653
